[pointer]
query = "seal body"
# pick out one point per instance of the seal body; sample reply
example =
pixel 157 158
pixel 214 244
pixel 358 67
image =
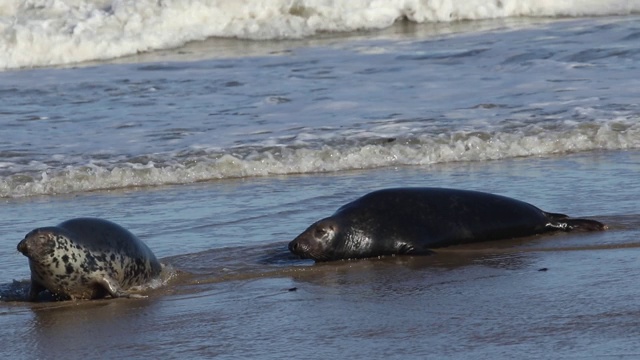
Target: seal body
pixel 87 258
pixel 415 220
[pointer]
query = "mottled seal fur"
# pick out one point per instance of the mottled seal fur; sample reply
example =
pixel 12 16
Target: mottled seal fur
pixel 87 258
pixel 415 220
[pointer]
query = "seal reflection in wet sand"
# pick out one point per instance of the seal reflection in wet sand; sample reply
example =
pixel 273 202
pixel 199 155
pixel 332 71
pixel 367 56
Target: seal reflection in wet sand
pixel 87 258
pixel 415 220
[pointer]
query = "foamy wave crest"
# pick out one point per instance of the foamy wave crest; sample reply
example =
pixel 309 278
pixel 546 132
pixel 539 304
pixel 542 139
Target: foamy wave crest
pixel 420 150
pixel 53 32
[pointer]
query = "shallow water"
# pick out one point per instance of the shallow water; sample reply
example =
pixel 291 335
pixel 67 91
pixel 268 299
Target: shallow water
pixel 419 98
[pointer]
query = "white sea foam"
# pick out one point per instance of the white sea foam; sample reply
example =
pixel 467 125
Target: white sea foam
pixel 422 150
pixel 53 32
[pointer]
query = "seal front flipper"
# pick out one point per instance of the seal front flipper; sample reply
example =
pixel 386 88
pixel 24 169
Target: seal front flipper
pixel 34 290
pixel 407 248
pixel 111 287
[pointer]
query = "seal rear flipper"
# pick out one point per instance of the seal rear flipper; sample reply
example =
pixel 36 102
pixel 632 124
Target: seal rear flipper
pixel 577 225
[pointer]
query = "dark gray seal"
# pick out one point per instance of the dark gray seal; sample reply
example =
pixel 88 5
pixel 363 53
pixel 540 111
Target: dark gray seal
pixel 87 258
pixel 415 220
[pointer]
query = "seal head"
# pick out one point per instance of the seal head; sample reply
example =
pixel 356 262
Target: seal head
pixel 318 241
pixel 339 237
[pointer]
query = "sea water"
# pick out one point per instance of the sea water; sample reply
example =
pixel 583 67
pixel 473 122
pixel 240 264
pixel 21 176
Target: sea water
pixel 217 131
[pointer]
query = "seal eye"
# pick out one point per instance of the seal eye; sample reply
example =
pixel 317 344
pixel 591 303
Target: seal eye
pixel 320 232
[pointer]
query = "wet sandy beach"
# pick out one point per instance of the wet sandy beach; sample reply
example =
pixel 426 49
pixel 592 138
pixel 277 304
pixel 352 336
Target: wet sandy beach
pixel 461 303
pixel 237 293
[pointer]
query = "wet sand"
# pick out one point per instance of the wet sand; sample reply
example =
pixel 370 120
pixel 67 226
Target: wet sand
pixel 542 297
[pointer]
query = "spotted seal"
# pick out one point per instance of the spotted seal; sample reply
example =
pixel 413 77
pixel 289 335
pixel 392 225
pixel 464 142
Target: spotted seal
pixel 87 258
pixel 416 220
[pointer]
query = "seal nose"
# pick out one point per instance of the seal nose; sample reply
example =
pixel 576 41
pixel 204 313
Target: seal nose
pixel 293 246
pixel 299 246
pixel 22 246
